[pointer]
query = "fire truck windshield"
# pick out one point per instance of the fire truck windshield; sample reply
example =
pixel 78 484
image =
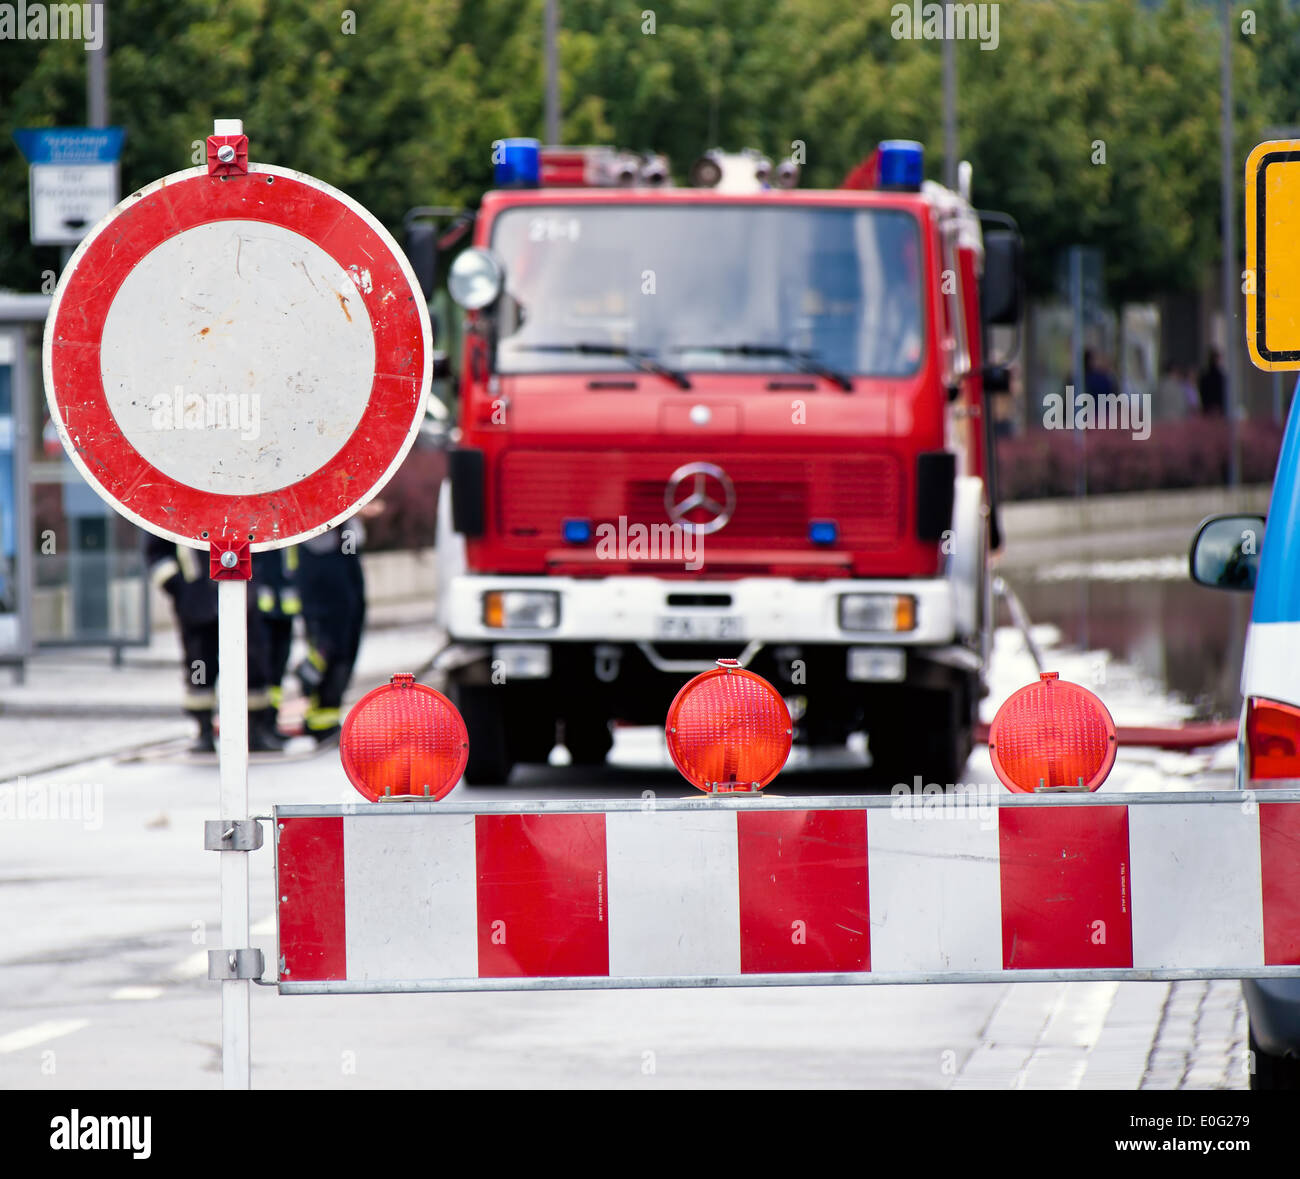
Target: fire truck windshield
pixel 734 288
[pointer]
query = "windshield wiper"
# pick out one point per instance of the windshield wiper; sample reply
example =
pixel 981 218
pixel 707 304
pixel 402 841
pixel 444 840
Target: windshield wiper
pixel 643 360
pixel 801 360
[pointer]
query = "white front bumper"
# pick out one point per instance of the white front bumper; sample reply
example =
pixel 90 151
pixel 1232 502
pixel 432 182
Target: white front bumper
pixel 769 609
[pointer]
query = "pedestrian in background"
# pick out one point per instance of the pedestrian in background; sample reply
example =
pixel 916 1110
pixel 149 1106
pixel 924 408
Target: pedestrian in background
pixel 275 587
pixel 1098 381
pixel 333 589
pixel 182 573
pixel 1212 386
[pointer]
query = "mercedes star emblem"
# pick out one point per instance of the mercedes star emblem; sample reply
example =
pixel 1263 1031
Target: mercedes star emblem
pixel 697 488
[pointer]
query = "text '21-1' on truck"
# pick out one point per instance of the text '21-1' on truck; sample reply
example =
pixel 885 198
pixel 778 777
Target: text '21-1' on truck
pixel 731 419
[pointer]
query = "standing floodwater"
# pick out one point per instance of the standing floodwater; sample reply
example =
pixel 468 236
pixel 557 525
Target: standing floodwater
pixel 1146 613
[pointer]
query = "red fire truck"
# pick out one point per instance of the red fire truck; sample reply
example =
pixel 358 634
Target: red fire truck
pixel 734 418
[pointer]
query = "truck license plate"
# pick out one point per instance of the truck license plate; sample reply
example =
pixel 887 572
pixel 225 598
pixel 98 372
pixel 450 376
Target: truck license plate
pixel 682 626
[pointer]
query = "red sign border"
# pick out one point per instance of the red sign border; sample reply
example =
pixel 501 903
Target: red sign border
pixel 339 226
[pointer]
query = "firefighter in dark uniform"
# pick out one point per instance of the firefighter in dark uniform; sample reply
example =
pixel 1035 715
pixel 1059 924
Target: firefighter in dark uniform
pixel 334 612
pixel 182 573
pixel 275 586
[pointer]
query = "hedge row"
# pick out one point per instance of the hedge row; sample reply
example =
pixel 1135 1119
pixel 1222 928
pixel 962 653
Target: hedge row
pixel 1044 464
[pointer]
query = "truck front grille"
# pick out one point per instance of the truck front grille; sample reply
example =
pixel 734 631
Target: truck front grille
pixel 776 496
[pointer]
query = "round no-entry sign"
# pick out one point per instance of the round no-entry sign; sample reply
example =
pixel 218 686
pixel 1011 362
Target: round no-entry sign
pixel 243 357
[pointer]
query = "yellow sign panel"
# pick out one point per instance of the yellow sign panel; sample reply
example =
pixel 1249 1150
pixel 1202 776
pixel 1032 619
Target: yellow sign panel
pixel 1272 280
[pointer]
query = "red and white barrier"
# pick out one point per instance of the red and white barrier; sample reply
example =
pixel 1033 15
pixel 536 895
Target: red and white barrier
pixel 417 896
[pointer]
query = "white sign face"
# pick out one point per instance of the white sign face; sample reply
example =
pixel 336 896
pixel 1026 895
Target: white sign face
pixel 210 343
pixel 68 199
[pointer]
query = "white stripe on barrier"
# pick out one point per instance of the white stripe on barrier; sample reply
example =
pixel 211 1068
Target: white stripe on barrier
pixel 410 896
pixel 1196 885
pixel 918 867
pixel 673 902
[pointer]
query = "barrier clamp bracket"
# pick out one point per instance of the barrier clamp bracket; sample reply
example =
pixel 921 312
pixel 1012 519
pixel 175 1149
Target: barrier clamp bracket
pixel 232 835
pixel 235 964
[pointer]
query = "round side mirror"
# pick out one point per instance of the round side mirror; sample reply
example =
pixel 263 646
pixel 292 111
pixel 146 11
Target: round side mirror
pixel 1225 553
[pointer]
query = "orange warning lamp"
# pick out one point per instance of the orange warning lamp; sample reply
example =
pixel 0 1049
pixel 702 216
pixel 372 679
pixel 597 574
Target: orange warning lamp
pixel 728 730
pixel 404 740
pixel 1052 735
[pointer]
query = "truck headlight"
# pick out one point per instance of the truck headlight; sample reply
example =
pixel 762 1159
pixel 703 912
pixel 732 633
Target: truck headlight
pixel 521 610
pixel 878 612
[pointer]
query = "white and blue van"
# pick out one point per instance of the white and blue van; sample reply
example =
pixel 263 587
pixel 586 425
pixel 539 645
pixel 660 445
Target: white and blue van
pixel 1238 553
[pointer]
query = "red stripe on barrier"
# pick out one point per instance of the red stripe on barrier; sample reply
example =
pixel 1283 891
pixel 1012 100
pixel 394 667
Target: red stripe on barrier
pixel 803 892
pixel 543 896
pixel 1279 862
pixel 1066 885
pixel 313 924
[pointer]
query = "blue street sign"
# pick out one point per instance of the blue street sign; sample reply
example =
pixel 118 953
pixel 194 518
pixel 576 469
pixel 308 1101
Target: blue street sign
pixel 70 145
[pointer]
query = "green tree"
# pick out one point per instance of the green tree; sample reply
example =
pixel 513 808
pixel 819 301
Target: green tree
pixel 1275 46
pixel 375 99
pixel 399 101
pixel 1114 144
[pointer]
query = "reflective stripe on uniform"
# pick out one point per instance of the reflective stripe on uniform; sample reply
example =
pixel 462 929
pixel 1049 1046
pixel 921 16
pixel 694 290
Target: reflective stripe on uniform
pixel 290 601
pixel 257 700
pixel 275 695
pixel 199 699
pixel 164 571
pixel 189 562
pixel 321 718
pixel 265 599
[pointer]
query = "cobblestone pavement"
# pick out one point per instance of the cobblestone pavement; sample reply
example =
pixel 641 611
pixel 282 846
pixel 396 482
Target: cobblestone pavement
pixel 1100 1036
pixel 1200 1042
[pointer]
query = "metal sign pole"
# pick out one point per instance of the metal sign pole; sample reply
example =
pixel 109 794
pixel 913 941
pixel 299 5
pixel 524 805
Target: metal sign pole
pixel 232 695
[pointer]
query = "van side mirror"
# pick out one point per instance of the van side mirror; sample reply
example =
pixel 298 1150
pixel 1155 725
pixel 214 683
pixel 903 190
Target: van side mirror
pixel 1225 553
pixel 1002 281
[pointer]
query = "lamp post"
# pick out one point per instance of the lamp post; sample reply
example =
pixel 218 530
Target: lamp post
pixel 1232 400
pixel 950 112
pixel 552 72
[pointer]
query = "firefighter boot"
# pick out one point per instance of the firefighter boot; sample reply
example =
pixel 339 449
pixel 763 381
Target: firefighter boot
pixel 205 742
pixel 262 737
pixel 321 723
pixel 271 724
